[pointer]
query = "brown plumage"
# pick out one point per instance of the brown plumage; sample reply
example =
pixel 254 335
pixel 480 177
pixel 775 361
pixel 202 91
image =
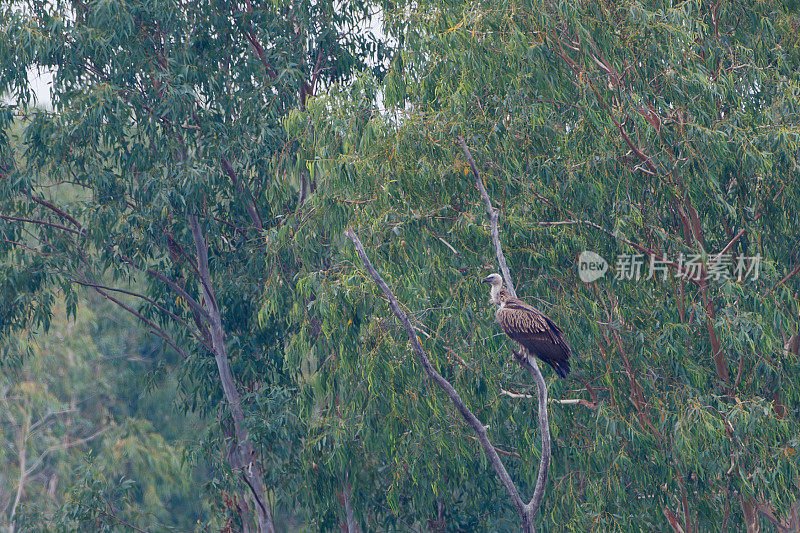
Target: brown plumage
pixel 530 328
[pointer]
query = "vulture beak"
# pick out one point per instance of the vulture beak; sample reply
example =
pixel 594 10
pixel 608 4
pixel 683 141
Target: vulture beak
pixel 487 279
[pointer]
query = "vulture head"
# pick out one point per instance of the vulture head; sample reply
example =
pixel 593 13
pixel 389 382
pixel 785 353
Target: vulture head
pixel 496 281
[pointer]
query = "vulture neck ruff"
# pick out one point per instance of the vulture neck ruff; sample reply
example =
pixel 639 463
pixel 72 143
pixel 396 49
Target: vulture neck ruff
pixel 500 296
pixel 497 294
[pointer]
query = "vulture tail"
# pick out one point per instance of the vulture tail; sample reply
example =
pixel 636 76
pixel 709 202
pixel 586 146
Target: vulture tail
pixel 561 367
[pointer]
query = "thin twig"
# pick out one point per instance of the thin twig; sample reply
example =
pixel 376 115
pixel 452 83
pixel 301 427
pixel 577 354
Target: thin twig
pixel 194 304
pixel 651 253
pixel 64 446
pixel 197 333
pixel 113 516
pixel 60 212
pixel 728 246
pixel 500 450
pixel 157 330
pixel 789 275
pixel 250 203
pixel 40 222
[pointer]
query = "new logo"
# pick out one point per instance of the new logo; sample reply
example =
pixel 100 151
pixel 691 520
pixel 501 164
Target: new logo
pixel 591 266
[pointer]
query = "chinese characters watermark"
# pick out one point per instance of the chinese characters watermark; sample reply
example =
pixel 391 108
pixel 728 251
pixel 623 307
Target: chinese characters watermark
pixel 592 266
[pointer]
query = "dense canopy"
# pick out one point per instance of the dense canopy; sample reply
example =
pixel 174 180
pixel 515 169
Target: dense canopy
pixel 202 161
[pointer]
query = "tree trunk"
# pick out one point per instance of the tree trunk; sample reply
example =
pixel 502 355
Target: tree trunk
pixel 750 515
pixel 350 525
pixel 251 469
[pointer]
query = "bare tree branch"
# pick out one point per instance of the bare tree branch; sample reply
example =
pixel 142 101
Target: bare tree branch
pixel 197 333
pixel 350 525
pixel 794 271
pixel 476 425
pixel 529 362
pixel 64 446
pixel 566 401
pixel 728 246
pixel 81 232
pixel 194 304
pixel 40 222
pixel 56 210
pixel 651 253
pixel 493 217
pixel 526 360
pixel 249 202
pixel 22 445
pixel 157 330
pixel 500 450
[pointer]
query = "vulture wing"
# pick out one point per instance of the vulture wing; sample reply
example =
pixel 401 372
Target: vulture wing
pixel 536 332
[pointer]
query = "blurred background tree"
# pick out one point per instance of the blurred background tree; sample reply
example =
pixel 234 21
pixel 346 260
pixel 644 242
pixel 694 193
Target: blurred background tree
pixel 95 393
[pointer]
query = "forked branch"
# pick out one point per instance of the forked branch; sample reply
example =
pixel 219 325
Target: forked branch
pixel 476 425
pixel 525 360
pixel 526 511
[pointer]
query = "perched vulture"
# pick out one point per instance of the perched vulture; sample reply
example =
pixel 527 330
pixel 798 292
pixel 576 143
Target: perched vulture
pixel 530 328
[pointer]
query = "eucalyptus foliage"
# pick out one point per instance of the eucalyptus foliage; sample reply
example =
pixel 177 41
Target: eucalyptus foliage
pixel 162 161
pixel 626 128
pixel 89 410
pixel 666 131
